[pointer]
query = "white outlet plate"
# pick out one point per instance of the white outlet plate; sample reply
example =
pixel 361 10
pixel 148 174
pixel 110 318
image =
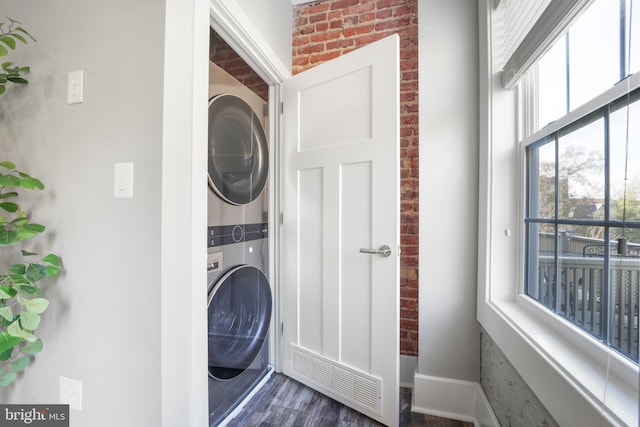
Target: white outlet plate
pixel 75 87
pixel 71 392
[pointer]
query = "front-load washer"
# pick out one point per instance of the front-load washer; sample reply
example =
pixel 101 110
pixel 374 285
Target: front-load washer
pixel 239 313
pixel 238 152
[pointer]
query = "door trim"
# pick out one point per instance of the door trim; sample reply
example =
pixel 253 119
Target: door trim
pixel 229 20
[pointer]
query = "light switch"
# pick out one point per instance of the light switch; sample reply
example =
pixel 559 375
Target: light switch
pixel 75 87
pixel 123 181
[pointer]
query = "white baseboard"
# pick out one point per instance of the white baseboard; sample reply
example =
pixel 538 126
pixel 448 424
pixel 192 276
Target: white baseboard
pixel 408 366
pixel 455 399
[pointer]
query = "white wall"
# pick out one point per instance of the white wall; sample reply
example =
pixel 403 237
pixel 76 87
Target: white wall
pixel 274 20
pixel 448 54
pixel 102 327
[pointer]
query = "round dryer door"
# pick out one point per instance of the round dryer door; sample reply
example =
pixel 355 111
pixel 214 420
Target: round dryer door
pixel 238 150
pixel 239 314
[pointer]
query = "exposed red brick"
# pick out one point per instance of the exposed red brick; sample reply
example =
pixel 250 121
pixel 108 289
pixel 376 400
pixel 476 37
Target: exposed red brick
pixel 308 49
pixel 325 36
pixel 317 18
pixel 338 44
pixel 383 4
pixel 384 14
pixel 322 26
pixel 355 31
pixel 343 4
pixel 359 9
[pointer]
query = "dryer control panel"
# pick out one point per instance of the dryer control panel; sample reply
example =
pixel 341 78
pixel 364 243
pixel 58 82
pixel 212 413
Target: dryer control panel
pixel 214 262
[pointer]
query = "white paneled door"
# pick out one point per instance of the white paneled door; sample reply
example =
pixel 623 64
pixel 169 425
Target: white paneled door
pixel 340 229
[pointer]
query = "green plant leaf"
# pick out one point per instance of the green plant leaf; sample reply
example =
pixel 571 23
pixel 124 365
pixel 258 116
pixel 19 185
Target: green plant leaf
pixel 29 320
pixel 2 89
pixel 30 290
pixel 7 292
pixel 9 207
pixel 30 230
pixel 19 37
pixel 52 259
pixel 8 341
pixel 27 253
pixel 33 347
pixel 8 195
pixel 15 330
pixel 7 379
pixel 8 237
pixel 52 271
pixel 10 42
pixel 18 269
pixel 20 219
pixel 6 313
pixel 21 363
pixel 16 278
pixel 38 228
pixel 22 30
pixel 9 181
pixel 3 51
pixel 36 305
pixel 7 164
pixel 4 356
pixel 35 272
pixel 18 80
pixel 6 65
pixel 30 182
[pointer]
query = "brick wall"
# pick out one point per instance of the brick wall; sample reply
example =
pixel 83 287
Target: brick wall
pixel 221 54
pixel 326 29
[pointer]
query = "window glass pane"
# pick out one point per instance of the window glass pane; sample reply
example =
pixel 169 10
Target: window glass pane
pixel 581 171
pixel 594 52
pixel 581 277
pixel 542 175
pixel 625 284
pixel 552 88
pixel 540 263
pixel 619 150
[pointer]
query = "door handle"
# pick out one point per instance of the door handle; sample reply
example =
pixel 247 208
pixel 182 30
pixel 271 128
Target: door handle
pixel 384 250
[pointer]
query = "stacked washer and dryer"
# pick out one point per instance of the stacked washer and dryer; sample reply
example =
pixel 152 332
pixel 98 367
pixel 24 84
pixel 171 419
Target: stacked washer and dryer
pixel 239 295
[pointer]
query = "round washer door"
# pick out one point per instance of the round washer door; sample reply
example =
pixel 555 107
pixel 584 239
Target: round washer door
pixel 238 150
pixel 239 313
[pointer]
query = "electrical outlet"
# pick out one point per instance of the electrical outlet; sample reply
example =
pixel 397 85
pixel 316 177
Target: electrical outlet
pixel 71 392
pixel 75 87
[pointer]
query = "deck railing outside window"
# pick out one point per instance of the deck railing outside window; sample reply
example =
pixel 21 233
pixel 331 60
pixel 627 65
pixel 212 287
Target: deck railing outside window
pixel 578 288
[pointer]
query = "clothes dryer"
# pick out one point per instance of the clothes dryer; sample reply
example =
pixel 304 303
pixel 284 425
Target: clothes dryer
pixel 238 152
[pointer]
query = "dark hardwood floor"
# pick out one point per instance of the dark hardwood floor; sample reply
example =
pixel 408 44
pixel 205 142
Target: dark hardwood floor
pixel 283 402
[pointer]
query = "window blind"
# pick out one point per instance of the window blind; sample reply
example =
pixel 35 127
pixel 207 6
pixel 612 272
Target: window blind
pixel 531 27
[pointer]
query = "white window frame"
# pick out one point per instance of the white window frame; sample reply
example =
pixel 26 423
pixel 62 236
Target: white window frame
pixel 580 381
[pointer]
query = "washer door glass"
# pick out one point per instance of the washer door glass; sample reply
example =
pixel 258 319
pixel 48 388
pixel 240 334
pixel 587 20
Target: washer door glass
pixel 238 150
pixel 239 314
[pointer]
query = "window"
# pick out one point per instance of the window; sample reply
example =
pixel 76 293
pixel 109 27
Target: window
pixel 582 219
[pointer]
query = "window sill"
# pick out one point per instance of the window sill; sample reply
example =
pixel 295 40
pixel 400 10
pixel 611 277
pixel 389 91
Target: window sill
pixel 577 379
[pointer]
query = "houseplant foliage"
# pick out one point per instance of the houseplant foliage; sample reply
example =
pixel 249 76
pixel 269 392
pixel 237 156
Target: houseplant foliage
pixel 21 303
pixel 10 33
